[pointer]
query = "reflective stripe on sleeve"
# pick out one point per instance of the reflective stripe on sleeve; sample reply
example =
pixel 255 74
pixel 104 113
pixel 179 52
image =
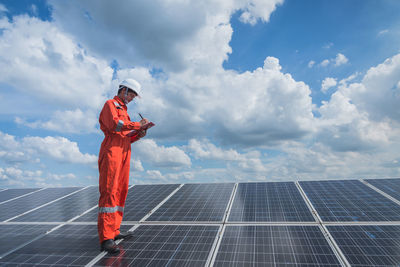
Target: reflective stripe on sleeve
pixel 111 209
pixel 119 126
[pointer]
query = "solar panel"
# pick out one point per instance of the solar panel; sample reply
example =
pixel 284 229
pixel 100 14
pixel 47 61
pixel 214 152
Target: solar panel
pixel 69 245
pixel 31 201
pixel 274 246
pixel 278 202
pixel 389 186
pixel 140 201
pixel 349 200
pixel 372 245
pixel 64 209
pixel 12 193
pixel 165 245
pixel 195 202
pixel 14 235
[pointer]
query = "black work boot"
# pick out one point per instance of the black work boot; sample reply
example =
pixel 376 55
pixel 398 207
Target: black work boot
pixel 123 235
pixel 109 246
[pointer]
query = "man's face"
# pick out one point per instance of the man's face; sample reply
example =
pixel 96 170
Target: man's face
pixel 130 97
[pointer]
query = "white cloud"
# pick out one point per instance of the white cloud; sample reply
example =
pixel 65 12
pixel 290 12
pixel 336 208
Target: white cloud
pixel 12 176
pixel 47 65
pixel 164 33
pixel 382 32
pixel 325 63
pixel 3 9
pixel 136 165
pixel 311 63
pixel 62 177
pixel 58 148
pixel 364 116
pixel 29 148
pixel 207 150
pixel 340 59
pixel 148 151
pixel 327 83
pixel 69 121
pixel 258 9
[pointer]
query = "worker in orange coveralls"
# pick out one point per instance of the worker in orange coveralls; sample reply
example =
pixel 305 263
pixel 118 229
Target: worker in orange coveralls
pixel 114 163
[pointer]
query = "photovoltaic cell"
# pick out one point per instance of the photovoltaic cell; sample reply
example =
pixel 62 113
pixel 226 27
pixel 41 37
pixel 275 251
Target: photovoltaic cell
pixel 368 245
pixel 12 193
pixel 13 236
pixel 140 201
pixel 278 202
pixel 389 186
pixel 34 200
pixel 195 202
pixel 349 200
pixel 274 246
pixel 70 245
pixel 64 209
pixel 165 245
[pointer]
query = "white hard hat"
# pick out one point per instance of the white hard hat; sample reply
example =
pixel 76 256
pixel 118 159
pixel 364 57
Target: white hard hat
pixel 132 84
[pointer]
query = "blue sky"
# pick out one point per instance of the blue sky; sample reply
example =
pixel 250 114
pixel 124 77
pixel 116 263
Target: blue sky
pixel 239 90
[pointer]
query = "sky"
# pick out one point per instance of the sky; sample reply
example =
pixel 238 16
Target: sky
pixel 255 90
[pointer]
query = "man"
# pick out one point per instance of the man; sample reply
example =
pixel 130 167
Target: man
pixel 114 162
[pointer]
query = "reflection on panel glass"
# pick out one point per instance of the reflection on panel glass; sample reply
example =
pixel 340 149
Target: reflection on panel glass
pixel 257 202
pixel 141 200
pixel 70 245
pixel 389 186
pixel 368 245
pixel 12 193
pixel 195 202
pixel 34 200
pixel 165 245
pixel 349 200
pixel 64 209
pixel 13 236
pixel 274 246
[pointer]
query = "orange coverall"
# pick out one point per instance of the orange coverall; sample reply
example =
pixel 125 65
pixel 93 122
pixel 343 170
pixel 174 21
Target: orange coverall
pixel 114 163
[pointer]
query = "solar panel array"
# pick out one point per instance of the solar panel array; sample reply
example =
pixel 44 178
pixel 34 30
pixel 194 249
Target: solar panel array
pixel 306 223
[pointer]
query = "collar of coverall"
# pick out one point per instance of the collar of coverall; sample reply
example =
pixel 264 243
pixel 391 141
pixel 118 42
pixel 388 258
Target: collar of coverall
pixel 120 101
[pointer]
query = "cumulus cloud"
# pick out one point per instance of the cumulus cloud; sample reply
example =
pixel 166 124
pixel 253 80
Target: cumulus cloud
pixel 49 66
pixel 363 116
pixel 58 148
pixel 325 63
pixel 166 34
pixel 16 177
pixel 69 121
pixel 327 83
pixel 3 9
pixel 207 150
pixel 29 148
pixel 311 63
pixel 148 151
pixel 340 59
pixel 258 10
pixel 244 162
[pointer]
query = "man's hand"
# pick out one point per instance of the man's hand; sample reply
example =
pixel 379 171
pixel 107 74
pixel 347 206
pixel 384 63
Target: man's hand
pixel 143 121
